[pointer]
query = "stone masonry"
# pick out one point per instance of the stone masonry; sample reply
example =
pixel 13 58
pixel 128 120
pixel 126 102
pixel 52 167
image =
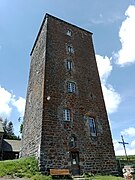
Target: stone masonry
pixel 65 122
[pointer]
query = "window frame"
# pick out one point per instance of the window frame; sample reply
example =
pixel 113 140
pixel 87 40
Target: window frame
pixel 69 33
pixel 69 65
pixel 71 87
pixel 73 141
pixel 67 115
pixel 70 49
pixel 92 126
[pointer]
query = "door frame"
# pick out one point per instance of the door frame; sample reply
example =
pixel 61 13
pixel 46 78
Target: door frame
pixel 75 167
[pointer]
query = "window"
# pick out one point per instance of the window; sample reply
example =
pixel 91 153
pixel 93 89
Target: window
pixel 69 65
pixel 70 49
pixel 71 87
pixel 75 158
pixel 72 143
pixel 69 33
pixel 92 126
pixel 67 115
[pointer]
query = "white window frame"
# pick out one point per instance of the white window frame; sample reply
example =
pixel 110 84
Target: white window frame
pixel 69 65
pixel 69 33
pixel 71 87
pixel 92 126
pixel 67 114
pixel 72 141
pixel 70 49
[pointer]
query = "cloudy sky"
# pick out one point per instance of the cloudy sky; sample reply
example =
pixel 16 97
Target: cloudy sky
pixel 113 27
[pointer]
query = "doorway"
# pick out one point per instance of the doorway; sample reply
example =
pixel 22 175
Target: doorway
pixel 75 168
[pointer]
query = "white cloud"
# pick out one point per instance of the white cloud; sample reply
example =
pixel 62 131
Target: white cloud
pixel 119 150
pixel 8 101
pixel 126 54
pixel 5 99
pixel 111 97
pixel 130 151
pixel 117 145
pixel 129 131
pixel 129 137
pixel 20 105
pixel 133 144
pixel 104 67
pixel 102 19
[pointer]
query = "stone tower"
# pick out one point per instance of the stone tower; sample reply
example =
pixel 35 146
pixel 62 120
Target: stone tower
pixel 65 122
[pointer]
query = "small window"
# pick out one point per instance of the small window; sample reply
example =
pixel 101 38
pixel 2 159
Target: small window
pixel 70 49
pixel 71 87
pixel 72 143
pixel 69 65
pixel 67 115
pixel 74 158
pixel 69 33
pixel 92 126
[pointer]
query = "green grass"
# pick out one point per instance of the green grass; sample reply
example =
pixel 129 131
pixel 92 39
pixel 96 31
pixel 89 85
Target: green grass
pixel 20 167
pixel 24 167
pixel 130 157
pixel 28 167
pixel 90 176
pixel 122 160
pixel 104 178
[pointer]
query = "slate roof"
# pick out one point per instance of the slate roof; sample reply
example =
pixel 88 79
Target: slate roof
pixel 11 145
pixel 1 127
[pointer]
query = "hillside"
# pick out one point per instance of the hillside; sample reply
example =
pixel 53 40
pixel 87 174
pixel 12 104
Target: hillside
pixel 27 168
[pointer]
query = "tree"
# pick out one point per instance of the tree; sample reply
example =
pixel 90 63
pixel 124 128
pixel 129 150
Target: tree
pixel 8 130
pixel 21 128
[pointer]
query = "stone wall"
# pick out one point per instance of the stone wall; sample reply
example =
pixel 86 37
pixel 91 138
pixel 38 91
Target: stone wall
pixel 45 132
pixel 32 127
pixel 86 101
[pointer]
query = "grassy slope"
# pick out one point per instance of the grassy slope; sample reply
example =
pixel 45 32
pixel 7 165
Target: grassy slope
pixel 28 167
pixel 25 167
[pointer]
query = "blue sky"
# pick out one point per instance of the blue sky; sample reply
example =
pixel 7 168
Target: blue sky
pixel 113 27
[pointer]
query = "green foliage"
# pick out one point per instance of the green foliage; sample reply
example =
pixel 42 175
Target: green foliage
pixel 122 160
pixel 130 158
pixel 21 128
pixel 8 130
pixel 88 175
